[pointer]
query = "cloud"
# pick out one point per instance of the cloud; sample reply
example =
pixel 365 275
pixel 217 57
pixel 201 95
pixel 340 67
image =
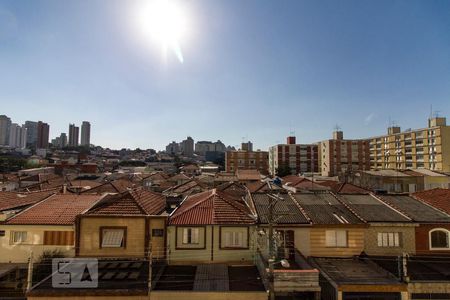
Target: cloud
pixel 369 119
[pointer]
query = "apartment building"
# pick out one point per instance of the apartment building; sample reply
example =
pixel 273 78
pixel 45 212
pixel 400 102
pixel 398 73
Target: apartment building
pixel 247 159
pixel 339 155
pixel 300 158
pixel 427 148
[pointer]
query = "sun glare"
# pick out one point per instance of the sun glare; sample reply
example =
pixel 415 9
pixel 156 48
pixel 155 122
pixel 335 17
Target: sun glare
pixel 164 22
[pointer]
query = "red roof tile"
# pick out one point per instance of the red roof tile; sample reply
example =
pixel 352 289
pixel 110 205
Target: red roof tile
pixel 439 198
pixel 11 200
pixel 55 210
pixel 133 202
pixel 209 208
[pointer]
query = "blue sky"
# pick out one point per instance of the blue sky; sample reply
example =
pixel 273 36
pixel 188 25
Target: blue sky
pixel 256 69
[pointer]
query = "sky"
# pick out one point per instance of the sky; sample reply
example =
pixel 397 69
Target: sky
pixel 257 70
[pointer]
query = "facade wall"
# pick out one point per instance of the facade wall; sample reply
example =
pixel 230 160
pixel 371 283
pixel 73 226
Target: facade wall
pixel 421 148
pixel 340 156
pixel 235 160
pixel 89 243
pixel 423 239
pixel 301 158
pixel 208 250
pixel 20 253
pixel 407 239
pixel 355 242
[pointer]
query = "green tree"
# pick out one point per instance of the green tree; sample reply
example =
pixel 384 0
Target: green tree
pixel 283 170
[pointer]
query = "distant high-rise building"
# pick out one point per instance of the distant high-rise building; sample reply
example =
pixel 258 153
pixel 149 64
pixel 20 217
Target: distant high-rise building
pixel 63 140
pixel 85 133
pixel 5 125
pixel 187 147
pixel 43 130
pixel 17 136
pixel 73 135
pixel 247 146
pixel 32 133
pixel 201 147
pixel 173 148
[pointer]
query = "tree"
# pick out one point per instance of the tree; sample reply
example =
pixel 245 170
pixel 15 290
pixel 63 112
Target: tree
pixel 283 170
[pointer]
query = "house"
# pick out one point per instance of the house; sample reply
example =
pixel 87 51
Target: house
pixel 129 224
pixel 45 226
pixel 246 176
pixel 211 227
pixel 390 231
pixel 432 233
pixel 429 179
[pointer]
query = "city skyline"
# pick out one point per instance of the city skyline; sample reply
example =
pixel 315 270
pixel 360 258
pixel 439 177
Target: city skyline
pixel 257 69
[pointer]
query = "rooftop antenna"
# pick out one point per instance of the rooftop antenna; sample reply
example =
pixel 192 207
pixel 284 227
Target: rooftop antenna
pixel 337 127
pixel 431 111
pixel 436 113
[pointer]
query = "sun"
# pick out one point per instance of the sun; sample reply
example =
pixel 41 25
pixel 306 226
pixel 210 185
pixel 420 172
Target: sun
pixel 165 23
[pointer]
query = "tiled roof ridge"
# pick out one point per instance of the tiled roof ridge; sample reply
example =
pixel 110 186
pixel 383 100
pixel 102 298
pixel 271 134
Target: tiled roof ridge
pixel 348 207
pixel 302 210
pixel 392 206
pixel 138 200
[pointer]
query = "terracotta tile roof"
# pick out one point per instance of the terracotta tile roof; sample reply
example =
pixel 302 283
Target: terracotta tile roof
pixel 178 177
pixel 133 202
pixel 210 208
pixel 87 184
pixel 234 189
pixel 115 186
pixel 186 188
pixel 439 198
pixel 11 200
pixel 248 174
pixel 56 210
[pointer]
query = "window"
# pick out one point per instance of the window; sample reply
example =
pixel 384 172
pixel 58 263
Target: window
pixel 158 232
pixel 18 237
pixel 336 238
pixel 388 239
pixel 190 235
pixel 439 239
pixel 233 239
pixel 2 233
pixel 113 237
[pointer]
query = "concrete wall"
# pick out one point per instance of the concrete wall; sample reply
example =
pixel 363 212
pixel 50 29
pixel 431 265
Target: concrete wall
pixel 407 239
pixel 355 242
pixel 207 253
pixel 20 253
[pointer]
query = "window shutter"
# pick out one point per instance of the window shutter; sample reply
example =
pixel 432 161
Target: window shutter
pixel 194 237
pixel 341 237
pixel 240 239
pixel 330 238
pixel 227 239
pixel 397 239
pixel 391 239
pixel 113 238
pixel 185 235
pixel 380 239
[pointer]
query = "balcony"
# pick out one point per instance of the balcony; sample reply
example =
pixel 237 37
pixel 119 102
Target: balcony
pixel 299 277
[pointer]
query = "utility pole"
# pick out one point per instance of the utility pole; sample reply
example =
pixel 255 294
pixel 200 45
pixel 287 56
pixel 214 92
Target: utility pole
pixel 30 272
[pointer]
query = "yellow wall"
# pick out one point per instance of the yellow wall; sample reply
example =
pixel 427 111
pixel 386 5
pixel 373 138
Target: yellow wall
pixel 19 253
pixel 90 236
pixel 355 242
pixel 193 256
pixel 135 238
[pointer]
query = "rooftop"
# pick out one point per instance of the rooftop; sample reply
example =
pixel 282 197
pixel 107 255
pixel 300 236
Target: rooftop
pixel 439 198
pixel 12 200
pixel 285 210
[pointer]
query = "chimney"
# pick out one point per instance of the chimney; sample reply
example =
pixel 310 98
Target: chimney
pixel 338 135
pixel 291 140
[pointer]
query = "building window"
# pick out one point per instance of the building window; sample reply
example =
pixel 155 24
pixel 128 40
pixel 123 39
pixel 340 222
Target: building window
pixel 18 237
pixel 233 239
pixel 113 237
pixel 158 232
pixel 2 233
pixel 336 238
pixel 59 238
pixel 388 239
pixel 439 239
pixel 190 235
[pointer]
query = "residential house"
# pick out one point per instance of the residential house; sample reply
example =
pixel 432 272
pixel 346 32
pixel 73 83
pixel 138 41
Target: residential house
pixel 45 226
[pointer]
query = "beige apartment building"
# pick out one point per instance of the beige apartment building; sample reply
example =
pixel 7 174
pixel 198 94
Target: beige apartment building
pixel 245 158
pixel 300 158
pixel 339 156
pixel 427 148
